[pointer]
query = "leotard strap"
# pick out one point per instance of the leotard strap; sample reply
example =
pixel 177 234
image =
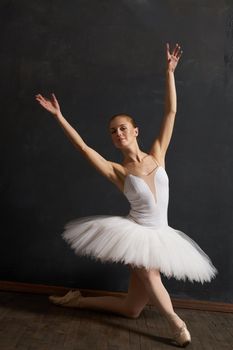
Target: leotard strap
pixel 155 161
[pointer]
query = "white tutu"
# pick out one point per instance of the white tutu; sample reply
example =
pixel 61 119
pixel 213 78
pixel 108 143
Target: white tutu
pixel 143 238
pixel 119 239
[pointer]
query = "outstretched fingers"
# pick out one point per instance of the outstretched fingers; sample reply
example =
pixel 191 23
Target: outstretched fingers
pixel 54 98
pixel 51 104
pixel 168 50
pixel 55 101
pixel 42 101
pixel 40 98
pixel 177 52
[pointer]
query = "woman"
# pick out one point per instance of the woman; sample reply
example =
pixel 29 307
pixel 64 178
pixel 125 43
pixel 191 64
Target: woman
pixel 143 240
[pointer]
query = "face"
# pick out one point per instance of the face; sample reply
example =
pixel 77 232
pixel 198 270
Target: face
pixel 122 132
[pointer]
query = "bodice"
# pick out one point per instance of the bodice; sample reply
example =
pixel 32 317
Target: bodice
pixel 148 196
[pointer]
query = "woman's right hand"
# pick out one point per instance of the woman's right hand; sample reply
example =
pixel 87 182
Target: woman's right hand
pixel 51 105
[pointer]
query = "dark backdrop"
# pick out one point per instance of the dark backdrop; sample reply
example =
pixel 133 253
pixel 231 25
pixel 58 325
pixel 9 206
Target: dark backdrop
pixel 101 58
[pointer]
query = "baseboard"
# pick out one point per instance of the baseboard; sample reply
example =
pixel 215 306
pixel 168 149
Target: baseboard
pixel 59 290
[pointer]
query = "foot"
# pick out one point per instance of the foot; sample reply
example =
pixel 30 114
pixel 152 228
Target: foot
pixel 70 299
pixel 181 335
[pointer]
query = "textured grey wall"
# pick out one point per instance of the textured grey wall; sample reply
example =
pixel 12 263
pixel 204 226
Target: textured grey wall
pixel 101 58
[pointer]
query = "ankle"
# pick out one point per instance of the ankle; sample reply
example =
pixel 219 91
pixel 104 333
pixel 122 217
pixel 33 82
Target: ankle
pixel 174 321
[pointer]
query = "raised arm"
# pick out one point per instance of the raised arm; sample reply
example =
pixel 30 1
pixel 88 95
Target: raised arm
pixel 102 165
pixel 161 143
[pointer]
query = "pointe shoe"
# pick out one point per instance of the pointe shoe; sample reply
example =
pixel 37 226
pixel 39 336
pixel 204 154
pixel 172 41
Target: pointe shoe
pixel 69 299
pixel 182 337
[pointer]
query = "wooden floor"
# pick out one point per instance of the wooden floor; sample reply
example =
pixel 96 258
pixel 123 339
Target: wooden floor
pixel 31 322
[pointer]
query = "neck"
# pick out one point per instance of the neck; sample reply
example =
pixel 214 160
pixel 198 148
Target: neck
pixel 133 154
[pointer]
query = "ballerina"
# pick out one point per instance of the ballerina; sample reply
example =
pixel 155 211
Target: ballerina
pixel 143 239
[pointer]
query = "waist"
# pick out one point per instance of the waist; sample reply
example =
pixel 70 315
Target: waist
pixel 155 221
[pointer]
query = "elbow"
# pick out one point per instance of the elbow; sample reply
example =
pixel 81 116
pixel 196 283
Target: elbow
pixel 83 148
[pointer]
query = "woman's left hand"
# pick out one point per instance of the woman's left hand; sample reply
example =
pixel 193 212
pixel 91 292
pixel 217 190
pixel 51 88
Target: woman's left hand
pixel 173 57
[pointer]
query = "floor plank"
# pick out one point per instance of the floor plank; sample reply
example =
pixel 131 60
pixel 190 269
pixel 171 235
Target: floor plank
pixel 31 322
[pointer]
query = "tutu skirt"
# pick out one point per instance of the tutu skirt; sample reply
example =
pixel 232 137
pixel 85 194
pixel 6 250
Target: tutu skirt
pixel 119 239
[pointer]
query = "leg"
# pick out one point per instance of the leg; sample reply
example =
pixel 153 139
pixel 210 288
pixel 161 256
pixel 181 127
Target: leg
pixel 159 295
pixel 130 306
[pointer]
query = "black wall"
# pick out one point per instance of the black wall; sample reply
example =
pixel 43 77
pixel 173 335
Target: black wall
pixel 103 58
